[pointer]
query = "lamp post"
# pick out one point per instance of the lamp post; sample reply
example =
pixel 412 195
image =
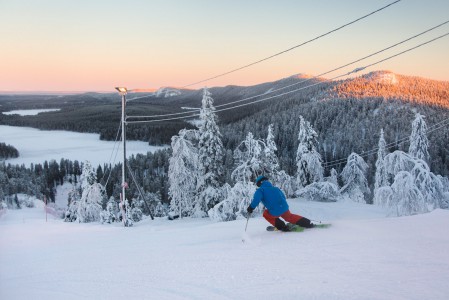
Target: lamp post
pixel 123 91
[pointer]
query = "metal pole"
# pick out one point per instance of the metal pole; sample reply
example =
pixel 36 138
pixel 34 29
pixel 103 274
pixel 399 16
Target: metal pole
pixel 124 146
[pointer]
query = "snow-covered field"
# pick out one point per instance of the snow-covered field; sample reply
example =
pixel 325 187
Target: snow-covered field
pixel 362 256
pixel 36 146
pixel 29 112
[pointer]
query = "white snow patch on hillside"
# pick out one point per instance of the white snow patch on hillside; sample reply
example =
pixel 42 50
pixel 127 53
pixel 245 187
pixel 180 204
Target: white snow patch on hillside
pixel 362 256
pixel 166 92
pixel 385 77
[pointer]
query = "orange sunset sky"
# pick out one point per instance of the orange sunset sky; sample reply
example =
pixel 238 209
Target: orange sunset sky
pixel 52 45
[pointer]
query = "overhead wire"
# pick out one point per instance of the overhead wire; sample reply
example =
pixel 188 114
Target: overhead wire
pixel 112 153
pixel 286 50
pixel 291 48
pixel 292 91
pixel 302 81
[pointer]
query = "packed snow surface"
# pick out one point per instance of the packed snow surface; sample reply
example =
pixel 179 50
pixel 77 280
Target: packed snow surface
pixel 36 146
pixel 362 256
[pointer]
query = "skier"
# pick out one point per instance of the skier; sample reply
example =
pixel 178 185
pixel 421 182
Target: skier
pixel 276 206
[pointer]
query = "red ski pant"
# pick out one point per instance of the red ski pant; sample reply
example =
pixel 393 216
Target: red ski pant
pixel 287 216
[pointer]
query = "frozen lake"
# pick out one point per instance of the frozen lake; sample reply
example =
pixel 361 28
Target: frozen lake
pixel 36 146
pixel 29 112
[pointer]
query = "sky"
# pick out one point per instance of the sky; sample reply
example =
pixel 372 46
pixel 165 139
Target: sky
pixel 95 45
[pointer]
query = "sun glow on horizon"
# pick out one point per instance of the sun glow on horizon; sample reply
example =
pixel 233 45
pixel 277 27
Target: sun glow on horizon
pixel 47 48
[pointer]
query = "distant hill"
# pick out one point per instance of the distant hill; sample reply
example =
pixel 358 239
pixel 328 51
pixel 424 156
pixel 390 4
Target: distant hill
pixel 347 114
pixel 392 86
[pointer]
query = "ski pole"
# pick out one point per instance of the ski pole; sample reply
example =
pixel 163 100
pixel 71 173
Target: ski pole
pixel 244 234
pixel 247 220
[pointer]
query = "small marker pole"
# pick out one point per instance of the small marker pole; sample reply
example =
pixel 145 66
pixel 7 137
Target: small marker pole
pixel 45 199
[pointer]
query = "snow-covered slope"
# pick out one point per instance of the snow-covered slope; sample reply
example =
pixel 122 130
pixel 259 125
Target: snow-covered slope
pixel 362 256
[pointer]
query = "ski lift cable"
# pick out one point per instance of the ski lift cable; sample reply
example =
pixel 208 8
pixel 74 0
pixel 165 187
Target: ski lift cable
pixel 291 48
pixel 302 81
pixel 292 91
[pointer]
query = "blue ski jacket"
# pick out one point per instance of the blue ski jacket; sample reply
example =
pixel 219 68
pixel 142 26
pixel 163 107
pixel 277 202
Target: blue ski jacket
pixel 272 197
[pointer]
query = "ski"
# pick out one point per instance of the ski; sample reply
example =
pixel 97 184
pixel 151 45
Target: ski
pixel 296 228
pixel 322 225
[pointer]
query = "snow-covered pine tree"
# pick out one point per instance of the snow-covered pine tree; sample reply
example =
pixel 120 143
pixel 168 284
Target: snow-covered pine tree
pixel 183 173
pixel 248 160
pixel 444 203
pixel 354 178
pixel 406 198
pixel 429 186
pixel 89 207
pixel 155 205
pixel 381 178
pixel 308 160
pixel 333 178
pixel 109 215
pixel 288 184
pixel 247 157
pixel 320 191
pixel 210 158
pixel 72 204
pixel 270 161
pixel 419 143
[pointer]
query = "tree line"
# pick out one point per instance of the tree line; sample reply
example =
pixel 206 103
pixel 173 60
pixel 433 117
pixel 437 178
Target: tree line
pixel 8 151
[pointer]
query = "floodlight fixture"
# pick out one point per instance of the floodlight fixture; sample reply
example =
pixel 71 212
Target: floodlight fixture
pixel 122 90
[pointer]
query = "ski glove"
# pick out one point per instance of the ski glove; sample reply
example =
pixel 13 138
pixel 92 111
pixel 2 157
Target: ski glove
pixel 250 209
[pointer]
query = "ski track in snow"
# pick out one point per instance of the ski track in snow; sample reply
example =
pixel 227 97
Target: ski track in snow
pixel 362 256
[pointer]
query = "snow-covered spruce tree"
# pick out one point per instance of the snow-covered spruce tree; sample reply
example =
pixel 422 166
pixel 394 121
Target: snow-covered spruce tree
pixel 271 168
pixel 444 203
pixel 406 199
pixel 308 160
pixel 183 173
pixel 155 205
pixel 320 191
pixel 381 178
pixel 247 157
pixel 270 161
pixel 225 210
pixel 333 178
pixel 288 184
pixel 354 178
pixel 74 197
pixel 210 158
pixel 419 143
pixel 89 207
pixel 248 160
pixel 110 214
pixel 430 186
